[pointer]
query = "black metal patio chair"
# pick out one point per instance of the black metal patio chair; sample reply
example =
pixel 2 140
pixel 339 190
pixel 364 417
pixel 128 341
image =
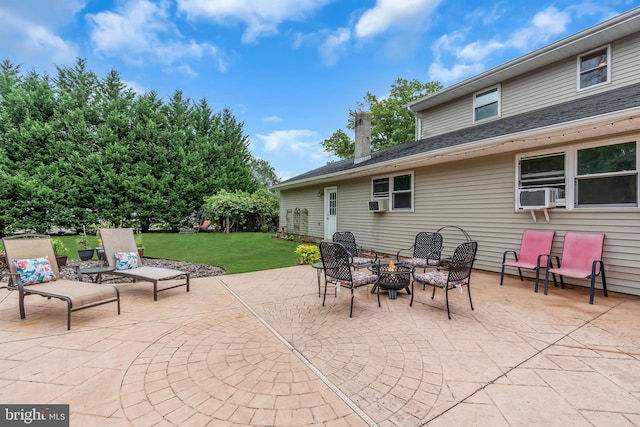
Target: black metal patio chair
pixel 425 252
pixel 359 258
pixel 457 275
pixel 336 262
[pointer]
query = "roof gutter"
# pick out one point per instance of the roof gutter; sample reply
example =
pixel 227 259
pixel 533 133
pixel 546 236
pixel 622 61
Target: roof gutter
pixel 624 121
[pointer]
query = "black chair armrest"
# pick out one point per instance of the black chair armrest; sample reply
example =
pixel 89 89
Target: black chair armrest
pixel 504 255
pixel 402 250
pixel 540 257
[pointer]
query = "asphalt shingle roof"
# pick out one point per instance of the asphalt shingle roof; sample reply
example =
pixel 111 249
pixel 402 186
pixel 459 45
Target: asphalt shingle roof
pixel 589 106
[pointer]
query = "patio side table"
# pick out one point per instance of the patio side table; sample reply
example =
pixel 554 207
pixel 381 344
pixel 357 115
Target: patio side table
pixel 94 273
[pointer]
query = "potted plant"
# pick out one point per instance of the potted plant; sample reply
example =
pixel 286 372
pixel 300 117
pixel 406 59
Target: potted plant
pixel 84 251
pixel 100 250
pixel 138 238
pixel 60 251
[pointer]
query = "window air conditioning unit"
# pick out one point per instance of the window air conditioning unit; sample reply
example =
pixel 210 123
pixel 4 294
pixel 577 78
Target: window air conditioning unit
pixel 378 205
pixel 537 198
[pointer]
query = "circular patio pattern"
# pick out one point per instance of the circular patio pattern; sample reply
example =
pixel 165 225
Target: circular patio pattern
pixel 230 371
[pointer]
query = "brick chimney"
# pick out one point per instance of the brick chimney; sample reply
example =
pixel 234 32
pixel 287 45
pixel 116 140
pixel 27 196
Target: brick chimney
pixel 363 138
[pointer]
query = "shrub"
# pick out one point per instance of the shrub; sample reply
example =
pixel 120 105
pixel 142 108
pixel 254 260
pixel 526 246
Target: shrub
pixel 308 254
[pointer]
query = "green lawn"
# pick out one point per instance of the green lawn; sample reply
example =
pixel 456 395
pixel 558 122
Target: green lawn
pixel 235 252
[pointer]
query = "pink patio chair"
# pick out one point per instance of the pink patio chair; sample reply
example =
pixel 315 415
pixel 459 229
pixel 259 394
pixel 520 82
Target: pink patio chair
pixel 581 259
pixel 202 227
pixel 535 248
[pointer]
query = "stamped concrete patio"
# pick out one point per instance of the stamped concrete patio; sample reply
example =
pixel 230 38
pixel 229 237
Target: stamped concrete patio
pixel 260 349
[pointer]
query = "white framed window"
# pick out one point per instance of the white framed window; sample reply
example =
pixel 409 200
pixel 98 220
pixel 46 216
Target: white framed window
pixel 607 175
pixel 596 175
pixel 486 104
pixel 544 171
pixel 594 67
pixel 398 189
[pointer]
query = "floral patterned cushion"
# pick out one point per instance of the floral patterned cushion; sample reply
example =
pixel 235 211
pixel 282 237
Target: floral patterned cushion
pixel 356 260
pixel 359 279
pixel 126 260
pixel 421 262
pixel 34 270
pixel 438 278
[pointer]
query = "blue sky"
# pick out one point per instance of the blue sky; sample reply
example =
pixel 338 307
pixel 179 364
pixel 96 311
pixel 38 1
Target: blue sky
pixel 289 69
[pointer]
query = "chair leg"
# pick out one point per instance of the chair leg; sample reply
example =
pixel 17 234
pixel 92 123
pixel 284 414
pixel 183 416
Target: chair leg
pixel 502 275
pixel 411 302
pixel 433 294
pixel 592 290
pixel 520 273
pixel 469 293
pixel 351 309
pixel 546 277
pixel 325 292
pixel 379 296
pixel 21 304
pixel 446 298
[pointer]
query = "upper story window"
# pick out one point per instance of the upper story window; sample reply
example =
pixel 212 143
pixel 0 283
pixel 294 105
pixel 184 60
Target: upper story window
pixel 397 188
pixel 594 67
pixel 486 104
pixel 594 175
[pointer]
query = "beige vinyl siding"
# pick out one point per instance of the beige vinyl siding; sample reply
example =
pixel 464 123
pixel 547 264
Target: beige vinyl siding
pixel 625 67
pixel 552 85
pixel 478 195
pixel 304 199
pixel 446 118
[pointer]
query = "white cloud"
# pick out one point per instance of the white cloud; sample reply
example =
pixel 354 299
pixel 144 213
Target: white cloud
pixel 142 30
pixel 46 13
pixel 34 42
pixel 294 140
pixel 479 50
pixel 544 25
pixel 469 58
pixel 186 69
pixel 272 119
pixel 392 13
pixel 438 72
pixel 333 45
pixel 136 87
pixel 261 17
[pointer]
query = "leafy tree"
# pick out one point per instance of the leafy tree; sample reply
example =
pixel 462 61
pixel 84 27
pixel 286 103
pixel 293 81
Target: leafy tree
pixel 244 211
pixel 263 172
pixel 339 144
pixel 391 122
pixel 78 150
